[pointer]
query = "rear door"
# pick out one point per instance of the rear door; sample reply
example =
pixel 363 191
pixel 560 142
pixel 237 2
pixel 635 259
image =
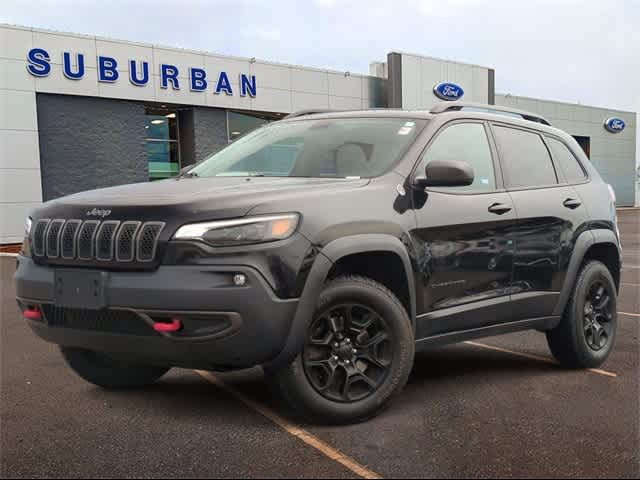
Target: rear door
pixel 550 217
pixel 463 253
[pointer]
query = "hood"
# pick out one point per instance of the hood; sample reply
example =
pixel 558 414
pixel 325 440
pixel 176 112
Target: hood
pixel 188 199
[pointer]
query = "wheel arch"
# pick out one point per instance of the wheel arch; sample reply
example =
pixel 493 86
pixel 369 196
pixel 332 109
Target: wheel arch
pixel 335 254
pixel 599 244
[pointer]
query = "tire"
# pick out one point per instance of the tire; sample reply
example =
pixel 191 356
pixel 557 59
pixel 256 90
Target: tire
pixel 574 343
pixel 375 373
pixel 105 372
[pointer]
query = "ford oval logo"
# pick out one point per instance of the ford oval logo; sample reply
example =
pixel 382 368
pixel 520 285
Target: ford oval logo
pixel 448 91
pixel 614 125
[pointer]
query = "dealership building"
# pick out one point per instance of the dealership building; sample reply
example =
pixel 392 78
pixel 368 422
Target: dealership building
pixel 80 112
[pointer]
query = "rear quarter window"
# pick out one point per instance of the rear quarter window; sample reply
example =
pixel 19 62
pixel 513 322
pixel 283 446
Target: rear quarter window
pixel 567 161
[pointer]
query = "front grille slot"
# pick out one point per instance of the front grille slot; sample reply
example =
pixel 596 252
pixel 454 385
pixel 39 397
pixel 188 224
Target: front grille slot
pixel 148 240
pixel 53 238
pixel 68 239
pixel 105 240
pixel 39 238
pixel 86 238
pixel 105 320
pixel 95 241
pixel 125 242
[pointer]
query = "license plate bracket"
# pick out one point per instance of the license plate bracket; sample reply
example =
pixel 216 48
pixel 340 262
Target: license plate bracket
pixel 80 289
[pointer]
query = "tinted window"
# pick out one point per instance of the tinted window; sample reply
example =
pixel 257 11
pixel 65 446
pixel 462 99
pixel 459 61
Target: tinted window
pixel 568 163
pixel 334 147
pixel 525 159
pixel 466 142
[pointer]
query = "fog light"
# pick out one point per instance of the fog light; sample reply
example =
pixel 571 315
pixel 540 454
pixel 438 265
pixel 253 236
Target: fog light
pixel 239 279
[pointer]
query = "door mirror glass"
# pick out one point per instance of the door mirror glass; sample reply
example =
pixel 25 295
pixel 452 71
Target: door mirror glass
pixel 447 173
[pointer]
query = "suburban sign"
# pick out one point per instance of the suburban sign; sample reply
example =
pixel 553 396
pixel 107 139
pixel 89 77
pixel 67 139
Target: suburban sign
pixel 108 71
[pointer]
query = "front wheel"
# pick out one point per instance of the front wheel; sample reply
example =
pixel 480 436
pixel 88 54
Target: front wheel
pixel 357 356
pixel 586 334
pixel 106 372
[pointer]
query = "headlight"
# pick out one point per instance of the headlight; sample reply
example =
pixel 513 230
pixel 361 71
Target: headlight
pixel 242 231
pixel 27 226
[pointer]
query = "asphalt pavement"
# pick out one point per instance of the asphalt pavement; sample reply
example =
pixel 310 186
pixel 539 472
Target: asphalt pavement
pixel 497 407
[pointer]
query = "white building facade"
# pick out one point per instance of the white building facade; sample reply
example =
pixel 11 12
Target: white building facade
pixel 79 112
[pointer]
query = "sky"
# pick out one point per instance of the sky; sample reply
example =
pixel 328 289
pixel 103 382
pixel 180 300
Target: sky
pixel 583 51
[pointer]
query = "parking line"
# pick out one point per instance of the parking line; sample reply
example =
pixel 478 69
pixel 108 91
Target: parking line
pixel 629 314
pixel 292 429
pixel 536 357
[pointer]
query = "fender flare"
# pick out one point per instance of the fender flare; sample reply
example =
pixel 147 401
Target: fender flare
pixel 331 253
pixel 585 241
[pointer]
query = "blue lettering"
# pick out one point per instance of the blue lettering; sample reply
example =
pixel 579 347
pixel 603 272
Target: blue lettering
pixel 247 85
pixel 133 73
pixel 107 69
pixel 67 66
pixel 169 73
pixel 224 84
pixel 198 82
pixel 39 65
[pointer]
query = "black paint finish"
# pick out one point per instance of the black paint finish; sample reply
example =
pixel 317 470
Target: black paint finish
pixel 475 264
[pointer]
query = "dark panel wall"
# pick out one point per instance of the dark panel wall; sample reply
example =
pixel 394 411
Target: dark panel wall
pixel 394 84
pixel 88 143
pixel 209 131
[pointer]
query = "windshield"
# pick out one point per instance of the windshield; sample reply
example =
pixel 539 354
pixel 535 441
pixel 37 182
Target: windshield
pixel 332 148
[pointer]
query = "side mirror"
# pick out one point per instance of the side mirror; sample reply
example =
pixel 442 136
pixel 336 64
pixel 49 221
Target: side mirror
pixel 446 173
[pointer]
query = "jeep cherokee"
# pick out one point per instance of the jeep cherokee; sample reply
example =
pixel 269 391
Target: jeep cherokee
pixel 328 248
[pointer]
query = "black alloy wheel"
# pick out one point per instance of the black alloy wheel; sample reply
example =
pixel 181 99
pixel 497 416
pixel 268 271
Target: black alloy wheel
pixel 597 315
pixel 348 353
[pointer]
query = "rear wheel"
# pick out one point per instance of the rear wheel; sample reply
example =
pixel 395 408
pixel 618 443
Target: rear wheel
pixel 104 371
pixel 586 334
pixel 357 356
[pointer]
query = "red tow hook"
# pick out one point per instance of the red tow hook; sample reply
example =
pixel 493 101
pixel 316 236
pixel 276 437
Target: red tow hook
pixel 32 313
pixel 169 327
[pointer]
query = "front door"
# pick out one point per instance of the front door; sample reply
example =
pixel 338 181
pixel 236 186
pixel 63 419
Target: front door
pixel 462 246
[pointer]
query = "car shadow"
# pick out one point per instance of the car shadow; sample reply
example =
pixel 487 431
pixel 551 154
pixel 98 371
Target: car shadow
pixel 184 394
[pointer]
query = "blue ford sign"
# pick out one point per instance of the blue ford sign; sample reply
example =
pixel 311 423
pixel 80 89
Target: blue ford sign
pixel 614 125
pixel 448 91
pixel 108 70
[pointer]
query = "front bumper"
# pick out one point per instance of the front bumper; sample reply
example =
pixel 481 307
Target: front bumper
pixel 226 326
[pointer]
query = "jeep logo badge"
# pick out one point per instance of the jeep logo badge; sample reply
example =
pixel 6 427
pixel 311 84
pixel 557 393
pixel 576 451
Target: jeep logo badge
pixel 96 212
pixel 448 91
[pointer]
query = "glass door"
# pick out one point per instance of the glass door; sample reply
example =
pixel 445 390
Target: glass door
pixel 163 146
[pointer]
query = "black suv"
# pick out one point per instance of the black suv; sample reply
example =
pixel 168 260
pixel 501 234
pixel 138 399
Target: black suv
pixel 329 247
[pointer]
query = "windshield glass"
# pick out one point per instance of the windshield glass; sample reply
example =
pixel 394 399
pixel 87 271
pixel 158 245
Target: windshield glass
pixel 333 148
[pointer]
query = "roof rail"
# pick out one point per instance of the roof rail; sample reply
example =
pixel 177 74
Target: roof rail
pixel 310 111
pixel 481 107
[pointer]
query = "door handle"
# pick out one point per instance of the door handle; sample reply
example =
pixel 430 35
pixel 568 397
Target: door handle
pixel 499 208
pixel 572 203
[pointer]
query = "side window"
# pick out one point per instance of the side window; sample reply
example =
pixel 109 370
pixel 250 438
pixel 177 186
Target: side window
pixel 466 142
pixel 525 159
pixel 568 163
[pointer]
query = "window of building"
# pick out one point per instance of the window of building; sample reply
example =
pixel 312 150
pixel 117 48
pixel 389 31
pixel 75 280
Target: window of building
pixel 466 142
pixel 568 163
pixel 525 159
pixel 163 149
pixel 585 144
pixel 241 123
